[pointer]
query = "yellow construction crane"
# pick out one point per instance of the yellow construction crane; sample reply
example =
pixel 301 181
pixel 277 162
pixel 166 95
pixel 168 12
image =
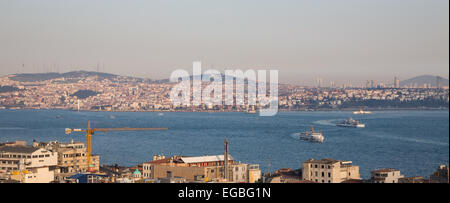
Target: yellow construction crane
pixel 90 131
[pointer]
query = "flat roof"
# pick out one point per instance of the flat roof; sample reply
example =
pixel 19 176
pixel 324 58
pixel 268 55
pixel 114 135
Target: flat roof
pixel 322 161
pixel 18 149
pixel 385 170
pixel 201 159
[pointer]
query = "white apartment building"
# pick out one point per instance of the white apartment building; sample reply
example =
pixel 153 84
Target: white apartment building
pixel 329 171
pixel 28 164
pixel 385 175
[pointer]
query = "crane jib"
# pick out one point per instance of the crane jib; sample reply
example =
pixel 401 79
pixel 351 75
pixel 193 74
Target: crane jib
pixel 90 131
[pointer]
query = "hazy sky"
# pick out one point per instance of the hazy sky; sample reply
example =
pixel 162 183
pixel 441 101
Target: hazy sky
pixel 345 40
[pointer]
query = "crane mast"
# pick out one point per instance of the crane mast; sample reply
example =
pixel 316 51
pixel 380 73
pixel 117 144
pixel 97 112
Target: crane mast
pixel 90 131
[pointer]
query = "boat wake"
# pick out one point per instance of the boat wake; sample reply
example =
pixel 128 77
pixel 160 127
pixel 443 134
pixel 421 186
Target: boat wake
pixel 331 122
pixel 385 136
pixel 11 128
pixel 295 136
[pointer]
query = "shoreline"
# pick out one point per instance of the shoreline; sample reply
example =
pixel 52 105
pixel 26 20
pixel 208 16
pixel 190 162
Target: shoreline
pixel 230 111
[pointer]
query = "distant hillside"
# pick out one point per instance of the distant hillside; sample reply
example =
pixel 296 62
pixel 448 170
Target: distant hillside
pixel 4 89
pixel 83 94
pixel 75 76
pixel 36 77
pixel 419 81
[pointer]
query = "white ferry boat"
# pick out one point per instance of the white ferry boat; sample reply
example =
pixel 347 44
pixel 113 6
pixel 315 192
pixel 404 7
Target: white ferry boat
pixel 350 123
pixel 312 136
pixel 362 112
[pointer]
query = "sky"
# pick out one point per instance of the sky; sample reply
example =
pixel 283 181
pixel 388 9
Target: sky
pixel 346 41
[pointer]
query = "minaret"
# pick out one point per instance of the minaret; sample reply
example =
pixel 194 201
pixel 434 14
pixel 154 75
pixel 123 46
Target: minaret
pixel 438 82
pixel 226 175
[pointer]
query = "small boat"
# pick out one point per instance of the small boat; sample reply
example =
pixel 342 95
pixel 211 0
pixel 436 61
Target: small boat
pixel 312 136
pixel 362 112
pixel 350 123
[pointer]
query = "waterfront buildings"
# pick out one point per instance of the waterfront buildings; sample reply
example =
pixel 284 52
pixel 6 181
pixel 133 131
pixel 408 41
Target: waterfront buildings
pixel 285 175
pixel 118 174
pixel 254 173
pixel 441 175
pixel 125 94
pixel 72 157
pixel 88 178
pixel 46 162
pixel 385 175
pixel 329 171
pixel 202 168
pixel 27 164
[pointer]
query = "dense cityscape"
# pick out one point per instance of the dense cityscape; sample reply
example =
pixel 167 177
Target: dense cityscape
pixel 93 91
pixel 55 162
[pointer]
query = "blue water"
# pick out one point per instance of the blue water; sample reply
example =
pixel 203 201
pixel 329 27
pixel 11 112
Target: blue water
pixel 415 142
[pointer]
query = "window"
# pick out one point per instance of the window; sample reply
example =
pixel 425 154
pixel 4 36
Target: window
pixel 329 175
pixel 323 174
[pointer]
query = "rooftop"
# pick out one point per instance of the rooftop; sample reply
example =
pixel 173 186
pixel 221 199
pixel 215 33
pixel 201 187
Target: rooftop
pixel 18 149
pixel 322 161
pixel 201 159
pixel 384 170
